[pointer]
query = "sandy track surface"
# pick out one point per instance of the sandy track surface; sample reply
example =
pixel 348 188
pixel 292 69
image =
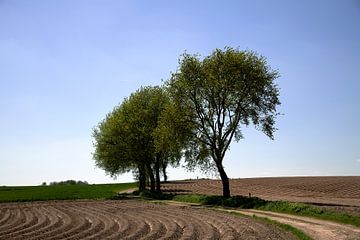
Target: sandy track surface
pixel 317 229
pixel 322 190
pixel 128 219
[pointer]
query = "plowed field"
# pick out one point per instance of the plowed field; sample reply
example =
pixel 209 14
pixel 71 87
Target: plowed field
pixel 128 219
pixel 322 190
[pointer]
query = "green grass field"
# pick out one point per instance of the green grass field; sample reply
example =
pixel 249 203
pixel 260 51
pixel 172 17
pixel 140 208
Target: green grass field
pixel 62 192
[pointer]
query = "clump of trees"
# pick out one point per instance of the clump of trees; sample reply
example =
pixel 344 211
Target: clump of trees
pixel 195 115
pixel 136 137
pixel 67 182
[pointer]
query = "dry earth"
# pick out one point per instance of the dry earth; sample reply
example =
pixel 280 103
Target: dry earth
pixel 317 229
pixel 342 191
pixel 128 219
pixel 340 194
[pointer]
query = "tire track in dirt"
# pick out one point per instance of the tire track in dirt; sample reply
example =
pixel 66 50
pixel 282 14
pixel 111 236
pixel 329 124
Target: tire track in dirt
pixel 315 228
pixel 128 219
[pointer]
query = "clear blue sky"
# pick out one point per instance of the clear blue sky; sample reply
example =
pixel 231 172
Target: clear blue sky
pixel 65 64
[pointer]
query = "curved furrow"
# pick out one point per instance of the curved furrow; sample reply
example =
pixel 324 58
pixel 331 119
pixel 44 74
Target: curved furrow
pixel 78 222
pixel 124 214
pixel 173 229
pixel 201 228
pixel 187 230
pixel 53 222
pixel 2 213
pixel 97 223
pixel 111 225
pixel 157 227
pixel 125 226
pixel 127 229
pixel 243 226
pixel 41 221
pixel 30 219
pixel 9 221
pixel 6 216
pixel 140 226
pixel 205 230
pixel 126 220
pixel 232 225
pixel 17 217
pixel 225 231
pixel 253 228
pixel 65 224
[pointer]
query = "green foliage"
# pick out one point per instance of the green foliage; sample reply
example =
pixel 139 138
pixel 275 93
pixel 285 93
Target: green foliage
pixel 68 182
pixel 153 195
pixel 62 192
pixel 112 151
pixel 235 201
pixel 135 136
pixel 219 94
pixel 192 198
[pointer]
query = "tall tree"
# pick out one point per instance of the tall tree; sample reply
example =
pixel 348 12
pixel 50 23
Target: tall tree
pixel 219 94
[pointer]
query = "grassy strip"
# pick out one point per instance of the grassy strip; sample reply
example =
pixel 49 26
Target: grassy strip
pixel 62 192
pixel 310 211
pixel 298 233
pixel 237 201
pixel 257 203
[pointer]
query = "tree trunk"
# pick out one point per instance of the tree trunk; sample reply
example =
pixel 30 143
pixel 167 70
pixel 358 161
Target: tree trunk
pixel 151 176
pixel 164 173
pixel 224 180
pixel 142 178
pixel 157 172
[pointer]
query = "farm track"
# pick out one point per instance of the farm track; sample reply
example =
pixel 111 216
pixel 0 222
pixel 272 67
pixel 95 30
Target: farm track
pixel 128 219
pixel 317 229
pixel 344 191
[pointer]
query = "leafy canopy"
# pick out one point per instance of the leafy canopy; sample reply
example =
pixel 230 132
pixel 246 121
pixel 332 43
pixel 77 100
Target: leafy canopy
pixel 221 93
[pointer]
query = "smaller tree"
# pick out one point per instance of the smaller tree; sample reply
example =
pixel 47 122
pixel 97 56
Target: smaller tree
pixel 126 139
pixel 170 136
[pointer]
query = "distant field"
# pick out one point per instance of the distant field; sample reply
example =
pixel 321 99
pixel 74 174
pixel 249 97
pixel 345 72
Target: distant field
pixel 62 192
pixel 320 190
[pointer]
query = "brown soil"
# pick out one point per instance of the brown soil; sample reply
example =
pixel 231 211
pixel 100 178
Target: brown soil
pixel 128 219
pixel 321 190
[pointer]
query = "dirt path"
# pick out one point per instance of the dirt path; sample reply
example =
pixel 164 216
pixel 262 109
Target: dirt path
pixel 128 191
pixel 317 229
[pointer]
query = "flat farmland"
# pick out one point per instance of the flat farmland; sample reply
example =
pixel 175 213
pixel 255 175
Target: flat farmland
pixel 127 219
pixel 342 191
